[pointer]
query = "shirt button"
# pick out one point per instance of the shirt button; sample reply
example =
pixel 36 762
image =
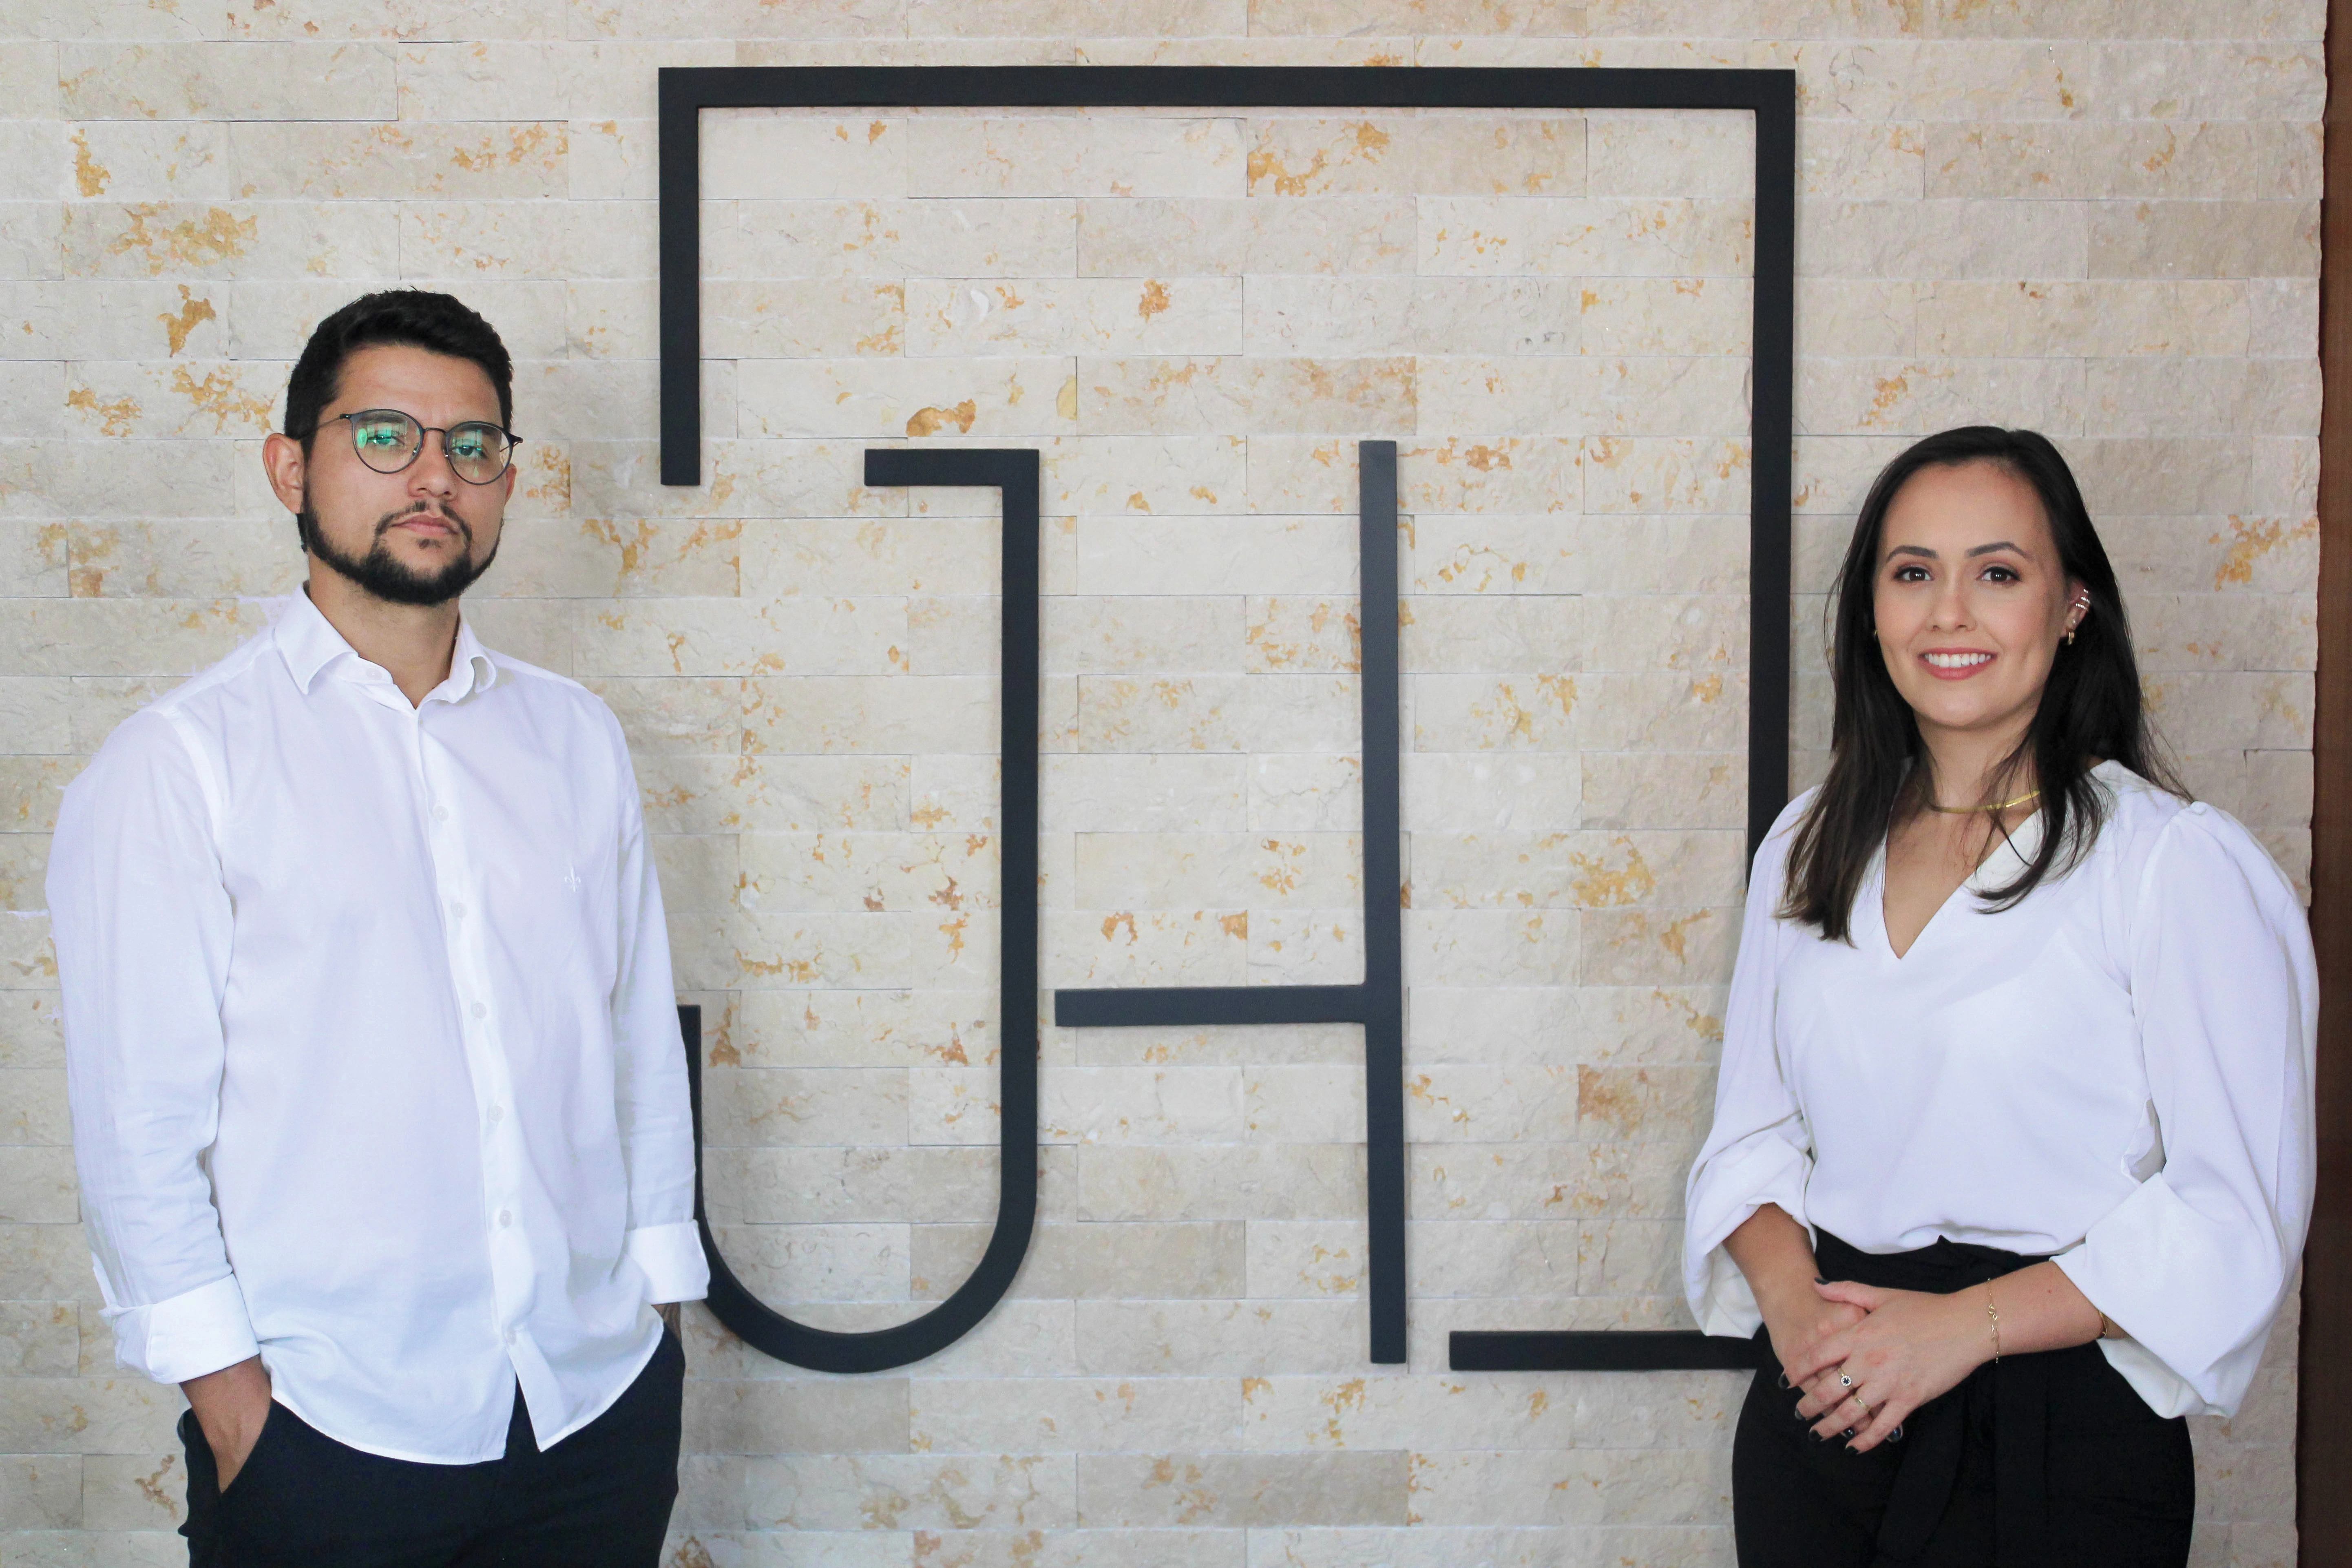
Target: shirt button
pixel 493 1115
pixel 480 1011
pixel 512 1336
pixel 506 1218
pixel 458 912
pixel 440 814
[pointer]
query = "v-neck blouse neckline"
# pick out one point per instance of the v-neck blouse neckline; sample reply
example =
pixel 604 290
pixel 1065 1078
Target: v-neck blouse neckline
pixel 2011 855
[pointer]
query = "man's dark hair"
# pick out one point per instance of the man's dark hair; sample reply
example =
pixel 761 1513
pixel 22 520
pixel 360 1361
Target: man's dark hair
pixel 416 318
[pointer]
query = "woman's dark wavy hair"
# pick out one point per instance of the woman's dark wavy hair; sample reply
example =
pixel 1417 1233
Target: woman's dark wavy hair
pixel 2091 708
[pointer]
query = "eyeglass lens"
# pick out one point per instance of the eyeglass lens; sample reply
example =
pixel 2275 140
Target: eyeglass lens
pixel 388 441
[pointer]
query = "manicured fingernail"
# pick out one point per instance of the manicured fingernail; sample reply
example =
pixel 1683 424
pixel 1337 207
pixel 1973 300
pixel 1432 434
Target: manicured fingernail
pixel 1785 1382
pixel 1847 1433
pixel 1895 1435
pixel 1819 1280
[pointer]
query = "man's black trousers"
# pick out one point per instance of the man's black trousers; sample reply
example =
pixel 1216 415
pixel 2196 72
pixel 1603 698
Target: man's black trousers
pixel 599 1499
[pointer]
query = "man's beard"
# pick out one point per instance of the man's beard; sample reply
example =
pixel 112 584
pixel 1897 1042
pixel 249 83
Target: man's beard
pixel 384 574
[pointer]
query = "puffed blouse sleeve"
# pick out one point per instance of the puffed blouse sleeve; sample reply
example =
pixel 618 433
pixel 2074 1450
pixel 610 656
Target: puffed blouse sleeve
pixel 1759 1150
pixel 2194 1265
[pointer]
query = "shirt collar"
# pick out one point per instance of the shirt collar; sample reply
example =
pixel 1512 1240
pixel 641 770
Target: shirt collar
pixel 309 644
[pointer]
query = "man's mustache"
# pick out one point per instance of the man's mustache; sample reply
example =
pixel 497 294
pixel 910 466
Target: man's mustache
pixel 393 520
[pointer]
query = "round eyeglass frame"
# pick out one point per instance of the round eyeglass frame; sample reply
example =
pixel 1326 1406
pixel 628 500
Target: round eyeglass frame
pixel 416 450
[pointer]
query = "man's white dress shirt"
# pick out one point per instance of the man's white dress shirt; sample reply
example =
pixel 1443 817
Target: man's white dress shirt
pixel 2116 1070
pixel 372 1046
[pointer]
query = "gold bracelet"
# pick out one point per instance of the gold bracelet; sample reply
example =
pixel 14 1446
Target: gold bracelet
pixel 1994 1313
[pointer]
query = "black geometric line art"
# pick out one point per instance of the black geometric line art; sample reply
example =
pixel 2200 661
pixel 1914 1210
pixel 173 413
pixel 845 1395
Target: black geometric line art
pixel 1013 473
pixel 1770 97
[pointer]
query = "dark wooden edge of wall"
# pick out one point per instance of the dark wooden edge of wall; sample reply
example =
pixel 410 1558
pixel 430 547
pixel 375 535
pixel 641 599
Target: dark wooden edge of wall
pixel 2324 1408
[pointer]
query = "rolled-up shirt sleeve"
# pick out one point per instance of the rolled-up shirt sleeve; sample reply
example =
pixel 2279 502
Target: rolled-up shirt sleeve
pixel 143 928
pixel 656 1122
pixel 1759 1150
pixel 2194 1264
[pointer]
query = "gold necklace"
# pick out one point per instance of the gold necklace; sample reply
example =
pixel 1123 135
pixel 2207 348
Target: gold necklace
pixel 1971 810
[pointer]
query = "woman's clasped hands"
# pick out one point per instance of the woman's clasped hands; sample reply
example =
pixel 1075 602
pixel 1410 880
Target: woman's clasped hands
pixel 1881 1355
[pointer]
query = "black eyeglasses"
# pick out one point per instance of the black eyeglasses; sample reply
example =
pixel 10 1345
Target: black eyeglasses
pixel 388 440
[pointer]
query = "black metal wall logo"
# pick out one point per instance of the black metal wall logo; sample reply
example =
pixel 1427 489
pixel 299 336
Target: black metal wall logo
pixel 1377 1002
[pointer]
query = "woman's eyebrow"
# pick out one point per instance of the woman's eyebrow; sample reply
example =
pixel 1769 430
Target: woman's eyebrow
pixel 1997 546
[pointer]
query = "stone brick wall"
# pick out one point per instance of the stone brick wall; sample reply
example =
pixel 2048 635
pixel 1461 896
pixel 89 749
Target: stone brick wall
pixel 2098 217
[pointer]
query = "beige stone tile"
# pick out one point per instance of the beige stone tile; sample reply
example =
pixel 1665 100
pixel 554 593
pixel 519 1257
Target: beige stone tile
pixel 1648 789
pixel 732 636
pixel 1305 793
pixel 133 161
pixel 1482 947
pixel 1029 1491
pixel 1354 1488
pixel 1659 237
pixel 32 239
pixel 769 154
pixel 890 237
pixel 1143 156
pixel 1575 871
pixel 867 871
pixel 790 1265
pixel 1380 314
pixel 1255 1045
pixel 1218 714
pixel 1234 1339
pixel 1076 1414
pixel 833 1107
pixel 41 1491
pixel 1113 1548
pixel 1133 947
pixel 1411 18
pixel 1704 634
pixel 560 240
pixel 838 1415
pixel 1665 315
pixel 1089 1262
pixel 37 1185
pixel 2225 631
pixel 2159 238
pixel 2203 398
pixel 48 1263
pixel 1090 633
pixel 1425 1547
pixel 2107 318
pixel 1306 870
pixel 124 1414
pixel 1528 712
pixel 1148 237
pixel 1108 793
pixel 1577 1487
pixel 1914 396
pixel 239 240
pixel 39 1339
pixel 864 1028
pixel 1145 396
pixel 1261 50
pixel 1583 394
pixel 1531 1180
pixel 32 1033
pixel 1286 1414
pixel 1396 154
pixel 803 318
pixel 1948 240
pixel 1245 1181
pixel 785 951
pixel 406 159
pixel 134 1492
pixel 221 80
pixel 1073 315
pixel 1477 554
pixel 1487 792
pixel 894 398
pixel 1659 947
pixel 1301 556
pixel 1489 1025
pixel 1676 153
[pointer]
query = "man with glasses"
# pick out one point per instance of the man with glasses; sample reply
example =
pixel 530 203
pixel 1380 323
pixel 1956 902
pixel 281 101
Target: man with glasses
pixel 379 1100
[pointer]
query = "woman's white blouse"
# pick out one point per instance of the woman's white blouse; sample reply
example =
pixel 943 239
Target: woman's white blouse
pixel 2117 1070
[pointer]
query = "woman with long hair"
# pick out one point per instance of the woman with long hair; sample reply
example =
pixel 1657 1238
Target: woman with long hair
pixel 2012 1151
